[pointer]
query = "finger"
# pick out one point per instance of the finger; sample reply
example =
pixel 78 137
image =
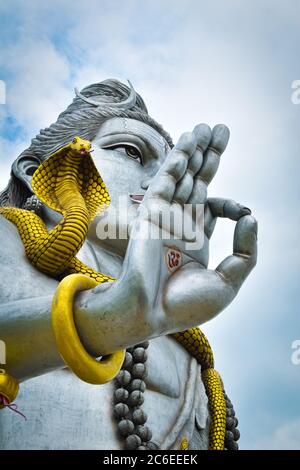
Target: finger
pixel 218 143
pixel 185 185
pixel 164 184
pixel 227 208
pixel 211 160
pixel 220 207
pixel 184 188
pixel 235 268
pixel 210 221
pixel 203 135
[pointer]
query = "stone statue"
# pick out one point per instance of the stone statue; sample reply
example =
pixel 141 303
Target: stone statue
pixel 154 295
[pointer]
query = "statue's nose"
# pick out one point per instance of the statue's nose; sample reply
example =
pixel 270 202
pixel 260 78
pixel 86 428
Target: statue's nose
pixel 145 183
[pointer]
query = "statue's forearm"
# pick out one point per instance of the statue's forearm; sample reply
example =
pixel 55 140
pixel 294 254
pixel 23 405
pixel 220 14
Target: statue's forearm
pixel 118 315
pixel 25 327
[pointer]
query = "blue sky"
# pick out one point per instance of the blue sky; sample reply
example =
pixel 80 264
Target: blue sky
pixel 193 61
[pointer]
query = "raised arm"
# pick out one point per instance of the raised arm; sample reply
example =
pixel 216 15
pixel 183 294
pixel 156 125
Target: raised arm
pixel 107 318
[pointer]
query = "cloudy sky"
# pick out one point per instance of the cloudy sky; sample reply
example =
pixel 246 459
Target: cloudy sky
pixel 193 61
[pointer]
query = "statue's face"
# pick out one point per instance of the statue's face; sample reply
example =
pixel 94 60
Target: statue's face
pixel 127 153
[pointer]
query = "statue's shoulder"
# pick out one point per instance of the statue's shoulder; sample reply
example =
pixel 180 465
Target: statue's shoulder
pixel 19 279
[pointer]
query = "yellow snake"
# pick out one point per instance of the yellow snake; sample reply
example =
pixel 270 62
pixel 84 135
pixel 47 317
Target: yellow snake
pixel 69 183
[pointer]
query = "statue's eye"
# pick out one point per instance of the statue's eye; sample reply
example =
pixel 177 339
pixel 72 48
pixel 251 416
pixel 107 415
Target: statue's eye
pixel 133 152
pixel 126 149
pixel 74 141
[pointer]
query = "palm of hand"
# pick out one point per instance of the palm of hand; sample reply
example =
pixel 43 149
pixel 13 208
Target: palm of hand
pixel 183 180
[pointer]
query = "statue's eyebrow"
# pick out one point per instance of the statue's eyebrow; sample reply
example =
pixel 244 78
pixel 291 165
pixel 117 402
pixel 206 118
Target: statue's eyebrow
pixel 147 134
pixel 153 141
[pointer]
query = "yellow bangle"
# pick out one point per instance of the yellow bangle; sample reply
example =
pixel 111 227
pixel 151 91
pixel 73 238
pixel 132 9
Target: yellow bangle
pixel 69 345
pixel 9 387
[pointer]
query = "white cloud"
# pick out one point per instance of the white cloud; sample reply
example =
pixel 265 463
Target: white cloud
pixel 38 90
pixel 285 437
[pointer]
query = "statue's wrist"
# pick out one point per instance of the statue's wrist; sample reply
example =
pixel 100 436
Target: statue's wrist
pixel 68 342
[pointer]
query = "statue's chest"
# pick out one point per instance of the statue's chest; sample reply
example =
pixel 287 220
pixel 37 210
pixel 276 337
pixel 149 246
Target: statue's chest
pixel 67 413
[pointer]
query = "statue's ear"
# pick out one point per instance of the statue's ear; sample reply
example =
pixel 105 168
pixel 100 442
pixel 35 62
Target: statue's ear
pixel 24 167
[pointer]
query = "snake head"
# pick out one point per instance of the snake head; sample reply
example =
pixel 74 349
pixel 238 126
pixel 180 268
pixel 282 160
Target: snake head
pixel 80 145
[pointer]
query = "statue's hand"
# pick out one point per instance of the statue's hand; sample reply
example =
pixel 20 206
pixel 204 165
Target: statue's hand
pixel 150 299
pixel 191 294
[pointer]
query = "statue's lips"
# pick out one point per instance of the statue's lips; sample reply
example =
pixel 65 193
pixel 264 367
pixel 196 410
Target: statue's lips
pixel 136 197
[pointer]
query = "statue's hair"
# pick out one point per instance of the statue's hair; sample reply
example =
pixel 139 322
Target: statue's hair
pixel 82 119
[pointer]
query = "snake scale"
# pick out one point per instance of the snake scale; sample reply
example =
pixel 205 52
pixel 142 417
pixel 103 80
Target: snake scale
pixel 69 183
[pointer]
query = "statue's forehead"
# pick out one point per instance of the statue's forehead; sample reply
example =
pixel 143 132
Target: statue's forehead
pixel 120 125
